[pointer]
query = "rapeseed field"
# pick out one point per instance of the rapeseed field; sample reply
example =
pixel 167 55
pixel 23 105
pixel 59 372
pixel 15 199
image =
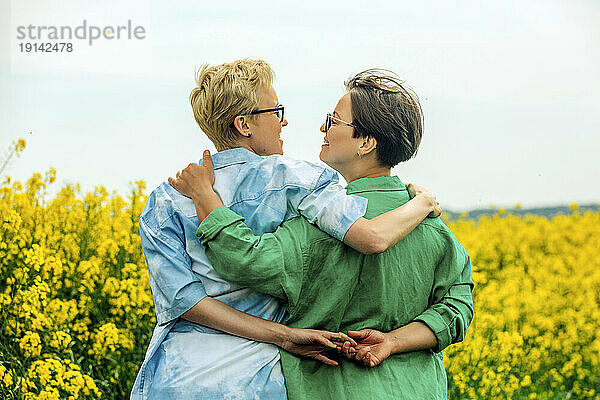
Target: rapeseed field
pixel 77 313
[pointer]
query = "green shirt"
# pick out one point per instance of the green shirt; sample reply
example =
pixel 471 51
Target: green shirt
pixel 328 285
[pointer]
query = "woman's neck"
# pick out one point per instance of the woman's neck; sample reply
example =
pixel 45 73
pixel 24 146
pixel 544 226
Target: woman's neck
pixel 238 145
pixel 358 171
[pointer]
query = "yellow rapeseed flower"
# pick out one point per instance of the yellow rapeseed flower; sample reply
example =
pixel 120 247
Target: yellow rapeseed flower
pixel 20 145
pixel 31 344
pixel 6 377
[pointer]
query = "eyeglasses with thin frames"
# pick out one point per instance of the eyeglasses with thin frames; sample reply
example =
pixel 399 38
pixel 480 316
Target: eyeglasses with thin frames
pixel 331 117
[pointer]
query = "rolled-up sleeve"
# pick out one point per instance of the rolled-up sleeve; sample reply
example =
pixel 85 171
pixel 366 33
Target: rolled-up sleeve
pixel 451 305
pixel 330 208
pixel 175 287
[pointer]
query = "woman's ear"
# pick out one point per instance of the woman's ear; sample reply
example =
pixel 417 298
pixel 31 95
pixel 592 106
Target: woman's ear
pixel 241 125
pixel 368 145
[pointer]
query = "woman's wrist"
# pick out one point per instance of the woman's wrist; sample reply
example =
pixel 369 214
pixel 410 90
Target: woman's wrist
pixel 426 201
pixel 205 203
pixel 396 342
pixel 201 193
pixel 280 334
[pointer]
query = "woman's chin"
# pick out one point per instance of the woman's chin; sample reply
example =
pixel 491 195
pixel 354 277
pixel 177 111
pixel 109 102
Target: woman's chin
pixel 325 159
pixel 322 154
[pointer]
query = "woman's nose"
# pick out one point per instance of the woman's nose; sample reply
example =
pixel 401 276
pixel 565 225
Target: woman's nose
pixel 284 122
pixel 322 128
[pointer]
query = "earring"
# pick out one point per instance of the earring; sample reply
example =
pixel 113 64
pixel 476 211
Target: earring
pixel 249 134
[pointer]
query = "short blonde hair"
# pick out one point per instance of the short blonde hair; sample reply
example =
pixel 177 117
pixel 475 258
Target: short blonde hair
pixel 224 92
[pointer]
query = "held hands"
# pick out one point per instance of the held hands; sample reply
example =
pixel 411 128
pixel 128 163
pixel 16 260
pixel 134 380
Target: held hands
pixel 312 343
pixel 195 181
pixel 368 346
pixel 425 195
pixel 371 349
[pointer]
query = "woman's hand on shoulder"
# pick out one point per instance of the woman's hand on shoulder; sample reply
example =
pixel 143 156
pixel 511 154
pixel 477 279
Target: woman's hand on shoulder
pixel 425 195
pixel 195 181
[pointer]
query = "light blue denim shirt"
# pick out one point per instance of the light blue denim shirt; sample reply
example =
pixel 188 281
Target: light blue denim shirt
pixel 185 360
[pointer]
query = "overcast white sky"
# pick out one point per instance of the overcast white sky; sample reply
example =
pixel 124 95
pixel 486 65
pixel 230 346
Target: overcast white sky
pixel 510 90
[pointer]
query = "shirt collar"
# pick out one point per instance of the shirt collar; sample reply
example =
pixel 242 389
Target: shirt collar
pixel 379 183
pixel 225 158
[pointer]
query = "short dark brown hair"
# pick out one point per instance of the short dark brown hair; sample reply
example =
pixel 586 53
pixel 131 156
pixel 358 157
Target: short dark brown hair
pixel 384 109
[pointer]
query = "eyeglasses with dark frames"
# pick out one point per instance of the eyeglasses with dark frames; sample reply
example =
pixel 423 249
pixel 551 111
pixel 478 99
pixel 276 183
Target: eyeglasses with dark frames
pixel 331 117
pixel 278 111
